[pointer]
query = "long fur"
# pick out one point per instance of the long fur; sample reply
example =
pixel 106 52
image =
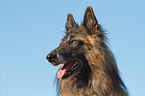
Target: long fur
pixel 98 75
pixel 104 79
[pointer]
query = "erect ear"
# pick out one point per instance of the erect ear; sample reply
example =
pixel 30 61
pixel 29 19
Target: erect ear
pixel 70 23
pixel 90 21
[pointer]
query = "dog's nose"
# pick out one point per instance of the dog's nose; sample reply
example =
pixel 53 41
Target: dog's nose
pixel 50 57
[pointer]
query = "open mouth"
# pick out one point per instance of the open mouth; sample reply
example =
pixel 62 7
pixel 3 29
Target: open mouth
pixel 68 69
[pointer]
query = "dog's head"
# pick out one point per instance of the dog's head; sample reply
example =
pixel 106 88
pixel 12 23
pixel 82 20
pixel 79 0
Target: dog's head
pixel 75 47
pixel 88 66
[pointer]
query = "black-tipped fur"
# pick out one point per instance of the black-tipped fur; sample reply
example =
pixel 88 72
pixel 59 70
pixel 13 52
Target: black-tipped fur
pixel 98 74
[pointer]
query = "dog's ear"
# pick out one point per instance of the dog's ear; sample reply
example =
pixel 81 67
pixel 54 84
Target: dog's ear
pixel 90 21
pixel 70 23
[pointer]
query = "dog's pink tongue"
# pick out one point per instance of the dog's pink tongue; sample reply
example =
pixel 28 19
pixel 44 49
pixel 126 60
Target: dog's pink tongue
pixel 60 73
pixel 66 67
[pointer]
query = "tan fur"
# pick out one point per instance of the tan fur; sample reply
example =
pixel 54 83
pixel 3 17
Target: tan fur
pixel 100 83
pixel 97 74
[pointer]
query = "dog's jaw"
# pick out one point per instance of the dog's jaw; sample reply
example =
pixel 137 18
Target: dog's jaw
pixel 68 69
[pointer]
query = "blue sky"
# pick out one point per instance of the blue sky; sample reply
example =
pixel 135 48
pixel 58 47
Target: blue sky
pixel 30 29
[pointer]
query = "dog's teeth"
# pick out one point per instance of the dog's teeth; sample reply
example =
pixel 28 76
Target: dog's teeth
pixel 74 64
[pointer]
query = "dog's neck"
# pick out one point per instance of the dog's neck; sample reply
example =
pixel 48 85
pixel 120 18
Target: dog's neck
pixel 96 86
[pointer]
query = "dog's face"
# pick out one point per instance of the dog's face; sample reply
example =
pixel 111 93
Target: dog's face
pixel 71 53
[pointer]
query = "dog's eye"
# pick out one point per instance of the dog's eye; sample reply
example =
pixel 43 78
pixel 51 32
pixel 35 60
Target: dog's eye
pixel 74 42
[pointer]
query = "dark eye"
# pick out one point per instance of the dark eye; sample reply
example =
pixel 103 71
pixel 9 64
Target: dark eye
pixel 74 42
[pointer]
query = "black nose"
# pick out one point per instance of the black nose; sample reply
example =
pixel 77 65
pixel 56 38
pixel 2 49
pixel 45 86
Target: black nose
pixel 50 57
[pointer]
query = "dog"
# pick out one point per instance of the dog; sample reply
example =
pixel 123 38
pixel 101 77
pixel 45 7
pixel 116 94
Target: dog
pixel 88 67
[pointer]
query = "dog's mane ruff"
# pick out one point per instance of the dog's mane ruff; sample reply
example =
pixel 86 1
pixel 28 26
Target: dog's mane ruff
pixel 105 78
